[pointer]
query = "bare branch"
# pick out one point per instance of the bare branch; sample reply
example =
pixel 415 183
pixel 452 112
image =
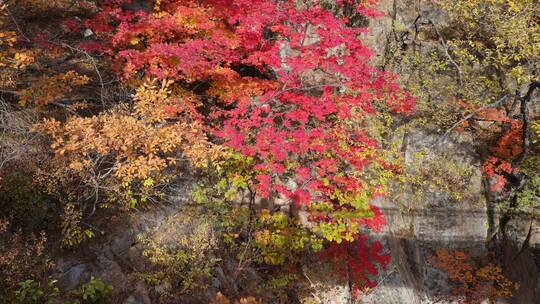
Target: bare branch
pixel 17 25
pixel 467 117
pixel 447 52
pixel 94 64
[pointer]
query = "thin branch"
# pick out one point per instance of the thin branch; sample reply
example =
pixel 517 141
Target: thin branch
pixel 252 195
pixel 447 51
pixel 94 64
pixel 2 91
pixel 467 117
pixel 312 285
pixel 64 106
pixel 93 227
pixel 17 25
pixel 387 275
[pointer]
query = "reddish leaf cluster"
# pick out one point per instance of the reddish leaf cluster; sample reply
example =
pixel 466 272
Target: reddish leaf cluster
pixel 508 146
pixel 358 261
pixel 497 168
pixel 474 284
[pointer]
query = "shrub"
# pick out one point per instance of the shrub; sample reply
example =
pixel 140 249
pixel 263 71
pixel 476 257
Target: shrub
pixel 181 260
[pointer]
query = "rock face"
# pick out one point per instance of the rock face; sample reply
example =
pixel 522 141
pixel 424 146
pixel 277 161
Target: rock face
pixel 116 258
pixel 73 276
pixel 415 229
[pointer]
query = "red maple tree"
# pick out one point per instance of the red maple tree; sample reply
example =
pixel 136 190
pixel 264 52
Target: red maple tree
pixel 287 84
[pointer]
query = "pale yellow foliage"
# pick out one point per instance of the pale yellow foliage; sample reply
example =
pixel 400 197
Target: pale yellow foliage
pixel 221 299
pixel 23 59
pixel 503 34
pixel 145 143
pixel 7 37
pixel 182 259
pixel 47 89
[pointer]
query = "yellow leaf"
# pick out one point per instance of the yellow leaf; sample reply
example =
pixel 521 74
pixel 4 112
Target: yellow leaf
pixel 134 41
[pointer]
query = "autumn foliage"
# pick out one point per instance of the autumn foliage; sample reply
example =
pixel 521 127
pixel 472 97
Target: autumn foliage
pixel 359 261
pixel 286 86
pixel 277 117
pixel 473 284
